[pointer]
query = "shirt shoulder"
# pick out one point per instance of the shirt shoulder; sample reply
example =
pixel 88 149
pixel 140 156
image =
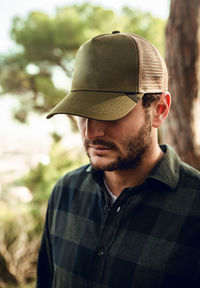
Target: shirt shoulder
pixel 74 175
pixel 70 184
pixel 189 176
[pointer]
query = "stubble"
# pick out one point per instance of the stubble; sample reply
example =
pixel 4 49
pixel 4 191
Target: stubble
pixel 132 150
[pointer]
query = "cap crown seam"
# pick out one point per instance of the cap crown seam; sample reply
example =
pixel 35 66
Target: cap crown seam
pixel 134 43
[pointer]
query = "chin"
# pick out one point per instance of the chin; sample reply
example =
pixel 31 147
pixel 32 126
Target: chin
pixel 116 164
pixel 100 164
pixel 109 166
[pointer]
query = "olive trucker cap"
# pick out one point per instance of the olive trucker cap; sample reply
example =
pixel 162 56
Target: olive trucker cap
pixel 112 73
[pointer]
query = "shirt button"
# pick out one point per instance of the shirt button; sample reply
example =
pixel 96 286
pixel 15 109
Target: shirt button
pixel 106 209
pixel 118 209
pixel 100 252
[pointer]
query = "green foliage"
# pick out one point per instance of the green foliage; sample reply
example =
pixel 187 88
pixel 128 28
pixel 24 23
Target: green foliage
pixel 144 24
pixel 49 42
pixel 18 244
pixel 21 223
pixel 41 179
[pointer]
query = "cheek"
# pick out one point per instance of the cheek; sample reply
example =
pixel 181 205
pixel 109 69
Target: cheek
pixel 128 130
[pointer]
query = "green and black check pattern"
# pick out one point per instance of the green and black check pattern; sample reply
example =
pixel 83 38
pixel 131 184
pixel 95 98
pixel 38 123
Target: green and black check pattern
pixel 149 238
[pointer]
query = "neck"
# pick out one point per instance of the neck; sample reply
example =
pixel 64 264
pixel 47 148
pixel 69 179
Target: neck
pixel 118 180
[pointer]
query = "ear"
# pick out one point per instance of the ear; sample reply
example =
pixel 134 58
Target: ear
pixel 161 109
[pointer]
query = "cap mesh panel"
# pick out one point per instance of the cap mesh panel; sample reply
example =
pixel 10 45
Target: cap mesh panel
pixel 153 71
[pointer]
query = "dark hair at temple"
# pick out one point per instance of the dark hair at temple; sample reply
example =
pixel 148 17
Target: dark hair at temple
pixel 149 98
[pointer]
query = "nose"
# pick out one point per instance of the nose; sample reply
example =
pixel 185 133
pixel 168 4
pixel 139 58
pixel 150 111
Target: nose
pixel 93 129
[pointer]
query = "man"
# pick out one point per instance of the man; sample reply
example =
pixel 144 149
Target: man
pixel 132 217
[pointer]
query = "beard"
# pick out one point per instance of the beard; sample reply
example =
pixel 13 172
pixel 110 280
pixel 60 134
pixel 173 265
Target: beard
pixel 131 152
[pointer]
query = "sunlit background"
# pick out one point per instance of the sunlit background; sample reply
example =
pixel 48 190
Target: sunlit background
pixel 30 152
pixel 23 146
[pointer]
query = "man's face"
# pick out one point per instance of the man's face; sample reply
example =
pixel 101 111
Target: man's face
pixel 120 144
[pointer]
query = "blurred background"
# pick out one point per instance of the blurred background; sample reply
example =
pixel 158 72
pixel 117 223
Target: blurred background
pixel 39 39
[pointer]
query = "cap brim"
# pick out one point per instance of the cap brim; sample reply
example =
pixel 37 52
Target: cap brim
pixel 105 106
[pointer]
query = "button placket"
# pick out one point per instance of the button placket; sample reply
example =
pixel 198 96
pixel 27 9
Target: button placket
pixel 106 208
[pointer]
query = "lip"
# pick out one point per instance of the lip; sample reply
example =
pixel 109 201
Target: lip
pixel 99 147
pixel 99 150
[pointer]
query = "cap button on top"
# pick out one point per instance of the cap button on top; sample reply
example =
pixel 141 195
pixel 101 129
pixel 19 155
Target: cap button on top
pixel 115 32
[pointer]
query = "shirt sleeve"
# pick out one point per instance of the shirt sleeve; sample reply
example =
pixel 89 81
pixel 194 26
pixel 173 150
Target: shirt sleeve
pixel 45 261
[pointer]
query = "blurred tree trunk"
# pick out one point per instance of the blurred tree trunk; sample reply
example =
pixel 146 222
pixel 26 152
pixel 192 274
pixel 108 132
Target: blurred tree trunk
pixel 182 56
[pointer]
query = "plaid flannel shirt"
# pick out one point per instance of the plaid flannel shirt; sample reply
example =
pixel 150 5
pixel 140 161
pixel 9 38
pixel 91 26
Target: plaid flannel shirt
pixel 149 238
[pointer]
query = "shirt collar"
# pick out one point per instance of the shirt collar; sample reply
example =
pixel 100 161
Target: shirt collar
pixel 167 170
